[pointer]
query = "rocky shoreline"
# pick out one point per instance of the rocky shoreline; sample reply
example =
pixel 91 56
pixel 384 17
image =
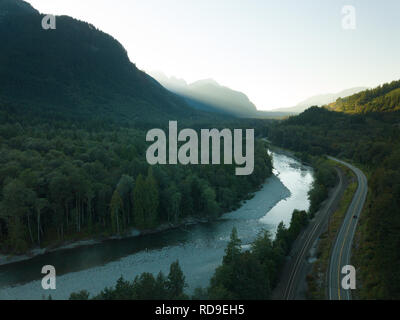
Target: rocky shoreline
pixel 4 259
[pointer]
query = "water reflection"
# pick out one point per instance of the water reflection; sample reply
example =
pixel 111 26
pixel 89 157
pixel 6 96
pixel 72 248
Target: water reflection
pixel 199 248
pixel 298 179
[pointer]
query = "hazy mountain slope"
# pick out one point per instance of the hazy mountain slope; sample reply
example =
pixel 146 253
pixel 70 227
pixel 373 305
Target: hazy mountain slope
pixel 75 71
pixel 273 115
pixel 320 100
pixel 384 98
pixel 209 95
pixel 15 7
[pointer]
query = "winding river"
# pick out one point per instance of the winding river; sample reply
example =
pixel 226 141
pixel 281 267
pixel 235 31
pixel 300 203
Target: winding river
pixel 199 248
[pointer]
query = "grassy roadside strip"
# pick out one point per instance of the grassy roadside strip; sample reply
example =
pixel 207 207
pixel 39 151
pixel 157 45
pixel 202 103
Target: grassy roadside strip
pixel 362 251
pixel 316 280
pixel 361 246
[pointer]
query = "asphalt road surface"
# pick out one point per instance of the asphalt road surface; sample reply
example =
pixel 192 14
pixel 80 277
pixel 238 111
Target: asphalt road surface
pixel 294 271
pixel 341 252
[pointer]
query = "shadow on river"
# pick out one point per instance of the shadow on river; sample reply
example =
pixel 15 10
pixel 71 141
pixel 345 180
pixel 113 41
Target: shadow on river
pixel 199 248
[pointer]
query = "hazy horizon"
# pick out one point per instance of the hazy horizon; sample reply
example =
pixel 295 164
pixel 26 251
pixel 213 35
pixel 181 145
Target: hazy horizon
pixel 278 53
pixel 174 82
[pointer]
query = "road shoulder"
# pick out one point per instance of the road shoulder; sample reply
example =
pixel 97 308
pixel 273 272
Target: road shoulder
pixel 317 279
pixel 293 282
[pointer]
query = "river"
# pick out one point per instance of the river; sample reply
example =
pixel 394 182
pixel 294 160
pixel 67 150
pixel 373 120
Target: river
pixel 199 248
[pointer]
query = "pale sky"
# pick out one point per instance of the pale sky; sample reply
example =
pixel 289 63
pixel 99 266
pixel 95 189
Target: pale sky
pixel 278 52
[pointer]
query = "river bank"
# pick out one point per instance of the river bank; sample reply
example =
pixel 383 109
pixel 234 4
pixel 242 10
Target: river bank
pixel 199 248
pixel 4 260
pixel 66 245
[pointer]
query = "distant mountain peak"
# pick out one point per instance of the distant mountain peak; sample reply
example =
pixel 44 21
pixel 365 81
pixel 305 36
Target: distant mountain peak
pixel 208 81
pixel 321 100
pixel 76 71
pixel 384 98
pixel 209 95
pixel 164 80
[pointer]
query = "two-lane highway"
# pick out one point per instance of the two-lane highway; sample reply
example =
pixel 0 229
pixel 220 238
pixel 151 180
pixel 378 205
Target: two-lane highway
pixel 341 253
pixel 304 243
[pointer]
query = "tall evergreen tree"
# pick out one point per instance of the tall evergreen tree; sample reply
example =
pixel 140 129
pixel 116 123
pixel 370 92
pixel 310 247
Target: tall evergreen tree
pixel 139 203
pixel 151 199
pixel 116 207
pixel 176 281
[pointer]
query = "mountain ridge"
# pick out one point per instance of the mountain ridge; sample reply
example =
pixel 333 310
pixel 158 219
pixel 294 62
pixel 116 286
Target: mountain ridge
pixel 16 7
pixel 384 98
pixel 209 95
pixel 320 100
pixel 76 71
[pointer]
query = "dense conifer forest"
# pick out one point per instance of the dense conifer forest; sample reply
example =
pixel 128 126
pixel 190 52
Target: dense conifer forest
pixel 69 180
pixel 74 112
pixel 371 140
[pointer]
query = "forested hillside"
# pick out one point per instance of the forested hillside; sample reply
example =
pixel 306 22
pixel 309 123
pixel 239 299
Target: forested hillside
pixel 321 100
pixel 208 95
pixel 384 98
pixel 372 141
pixel 75 71
pixel 74 112
pixel 61 180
